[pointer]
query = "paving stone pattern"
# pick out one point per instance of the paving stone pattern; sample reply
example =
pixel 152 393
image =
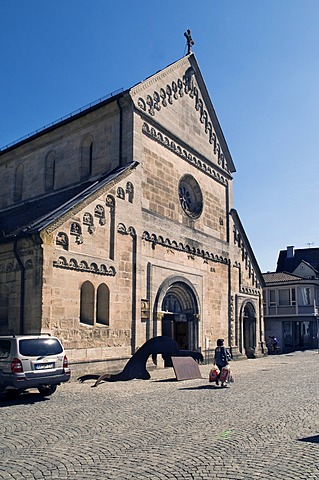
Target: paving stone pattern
pixel 264 426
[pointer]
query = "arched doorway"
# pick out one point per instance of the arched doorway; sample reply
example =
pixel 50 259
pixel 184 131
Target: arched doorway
pixel 249 327
pixel 178 305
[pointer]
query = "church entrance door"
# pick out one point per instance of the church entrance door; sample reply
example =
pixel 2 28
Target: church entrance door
pixel 180 319
pixel 249 330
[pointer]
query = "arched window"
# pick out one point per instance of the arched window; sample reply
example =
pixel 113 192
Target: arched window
pixel 18 183
pixel 103 305
pixel 87 157
pixel 49 172
pixel 87 304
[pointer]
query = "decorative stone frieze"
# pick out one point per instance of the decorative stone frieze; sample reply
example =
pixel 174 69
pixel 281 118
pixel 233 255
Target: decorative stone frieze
pixel 29 265
pixel 120 193
pixel 153 103
pixel 249 290
pixel 9 267
pixel 121 228
pixel 62 240
pixel 75 229
pixel 145 309
pixel 99 212
pixel 190 251
pixel 182 152
pixel 88 221
pixel 83 266
pixel 130 191
pixel 110 202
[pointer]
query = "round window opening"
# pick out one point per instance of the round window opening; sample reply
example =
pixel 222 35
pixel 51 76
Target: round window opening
pixel 190 196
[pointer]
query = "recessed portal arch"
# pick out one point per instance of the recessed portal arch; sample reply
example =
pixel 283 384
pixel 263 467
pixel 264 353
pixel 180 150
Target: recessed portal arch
pixel 177 312
pixel 249 329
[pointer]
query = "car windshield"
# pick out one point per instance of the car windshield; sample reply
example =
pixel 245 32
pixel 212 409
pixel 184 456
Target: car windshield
pixel 40 347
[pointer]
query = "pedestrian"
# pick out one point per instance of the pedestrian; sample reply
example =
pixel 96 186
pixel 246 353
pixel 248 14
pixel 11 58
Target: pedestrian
pixel 221 359
pixel 273 344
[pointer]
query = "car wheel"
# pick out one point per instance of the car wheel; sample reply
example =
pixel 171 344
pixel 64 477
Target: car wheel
pixel 47 390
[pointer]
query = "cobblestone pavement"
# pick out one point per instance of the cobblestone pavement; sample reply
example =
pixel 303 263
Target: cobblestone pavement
pixel 265 426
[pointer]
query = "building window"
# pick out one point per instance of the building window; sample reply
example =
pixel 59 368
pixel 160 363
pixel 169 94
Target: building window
pixel 284 297
pixel 87 157
pixel 304 297
pixel 18 183
pixel 272 298
pixel 49 172
pixel 103 305
pixel 287 296
pixel 87 304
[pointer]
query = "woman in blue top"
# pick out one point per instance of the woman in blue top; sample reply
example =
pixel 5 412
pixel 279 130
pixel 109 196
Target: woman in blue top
pixel 221 357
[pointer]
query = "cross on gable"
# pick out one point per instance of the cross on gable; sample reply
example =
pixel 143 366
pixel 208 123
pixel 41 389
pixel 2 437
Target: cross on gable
pixel 190 41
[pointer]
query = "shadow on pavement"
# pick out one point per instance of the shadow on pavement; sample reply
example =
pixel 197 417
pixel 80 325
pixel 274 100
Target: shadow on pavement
pixel 204 387
pixel 314 439
pixel 166 380
pixel 22 399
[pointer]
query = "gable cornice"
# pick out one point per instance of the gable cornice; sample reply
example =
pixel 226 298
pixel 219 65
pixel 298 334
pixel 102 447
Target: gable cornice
pixel 145 84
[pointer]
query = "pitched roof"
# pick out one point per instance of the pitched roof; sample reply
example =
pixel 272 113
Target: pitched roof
pixel 80 112
pixel 307 264
pixel 289 264
pixel 33 215
pixel 280 277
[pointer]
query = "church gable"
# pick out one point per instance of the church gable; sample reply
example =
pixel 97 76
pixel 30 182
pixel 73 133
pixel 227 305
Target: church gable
pixel 177 110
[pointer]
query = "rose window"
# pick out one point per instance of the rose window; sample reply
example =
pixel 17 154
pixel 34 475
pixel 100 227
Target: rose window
pixel 190 196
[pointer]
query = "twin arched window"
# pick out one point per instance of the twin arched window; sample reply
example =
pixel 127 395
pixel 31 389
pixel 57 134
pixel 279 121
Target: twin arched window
pixel 94 308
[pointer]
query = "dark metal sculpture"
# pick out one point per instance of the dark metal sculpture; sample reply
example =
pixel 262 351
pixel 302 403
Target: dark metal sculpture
pixel 197 356
pixel 136 366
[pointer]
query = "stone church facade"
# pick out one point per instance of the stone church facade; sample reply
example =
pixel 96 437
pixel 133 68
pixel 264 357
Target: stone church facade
pixel 117 225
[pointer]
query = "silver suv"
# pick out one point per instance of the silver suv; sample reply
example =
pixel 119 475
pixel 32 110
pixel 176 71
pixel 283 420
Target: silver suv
pixel 32 361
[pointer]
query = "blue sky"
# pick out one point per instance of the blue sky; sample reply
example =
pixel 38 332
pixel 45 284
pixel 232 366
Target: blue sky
pixel 260 62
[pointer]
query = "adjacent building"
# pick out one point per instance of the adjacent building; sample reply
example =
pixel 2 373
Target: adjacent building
pixel 117 225
pixel 291 298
